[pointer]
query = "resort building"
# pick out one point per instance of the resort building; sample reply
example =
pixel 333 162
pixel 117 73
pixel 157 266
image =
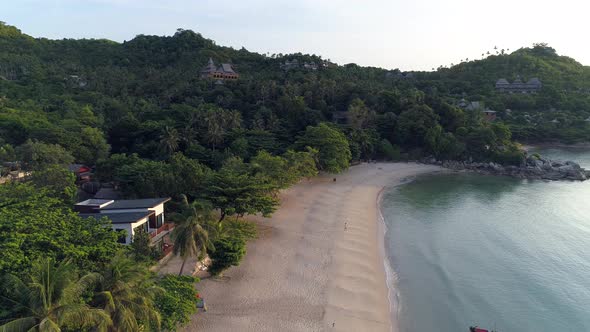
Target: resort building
pixel 290 64
pixel 531 86
pixel 489 115
pixel 224 72
pixel 477 106
pixel 295 64
pixel 131 216
pixel 397 74
pixel 82 172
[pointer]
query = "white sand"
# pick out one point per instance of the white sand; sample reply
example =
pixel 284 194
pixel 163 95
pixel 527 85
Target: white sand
pixel 305 272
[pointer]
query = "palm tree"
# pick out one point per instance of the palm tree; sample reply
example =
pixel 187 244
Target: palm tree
pixel 215 128
pixel 169 140
pixel 127 293
pixel 232 119
pixel 48 300
pixel 189 235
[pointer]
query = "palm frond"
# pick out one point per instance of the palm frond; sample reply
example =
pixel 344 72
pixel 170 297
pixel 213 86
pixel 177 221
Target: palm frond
pixel 80 315
pixel 19 325
pixel 47 325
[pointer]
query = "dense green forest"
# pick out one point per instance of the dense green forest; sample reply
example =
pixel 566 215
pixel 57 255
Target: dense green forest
pixel 97 97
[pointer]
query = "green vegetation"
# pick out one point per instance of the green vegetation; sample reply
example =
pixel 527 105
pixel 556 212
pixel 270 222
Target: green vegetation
pixel 144 102
pixel 230 244
pixel 190 236
pixel 333 148
pixel 34 224
pixel 48 298
pixel 126 292
pixel 229 251
pixel 178 301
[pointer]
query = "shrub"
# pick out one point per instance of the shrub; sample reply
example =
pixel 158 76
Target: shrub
pixel 389 151
pixel 511 156
pixel 229 251
pixel 178 302
pixel 141 249
pixel 235 227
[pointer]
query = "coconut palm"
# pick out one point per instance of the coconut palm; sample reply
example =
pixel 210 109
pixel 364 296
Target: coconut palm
pixel 127 293
pixel 48 300
pixel 214 128
pixel 190 235
pixel 232 119
pixel 169 140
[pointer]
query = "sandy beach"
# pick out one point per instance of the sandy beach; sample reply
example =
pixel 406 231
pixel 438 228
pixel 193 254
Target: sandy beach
pixel 318 264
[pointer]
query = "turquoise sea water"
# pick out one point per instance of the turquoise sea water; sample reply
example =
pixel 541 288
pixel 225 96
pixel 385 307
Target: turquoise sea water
pixel 491 251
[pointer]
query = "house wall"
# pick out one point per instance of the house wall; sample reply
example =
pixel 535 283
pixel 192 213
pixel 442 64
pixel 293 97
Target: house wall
pixel 158 209
pixel 129 228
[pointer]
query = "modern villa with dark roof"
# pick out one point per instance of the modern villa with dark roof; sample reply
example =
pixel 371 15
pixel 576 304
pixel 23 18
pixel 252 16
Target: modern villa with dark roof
pixel 223 72
pixel 531 86
pixel 131 216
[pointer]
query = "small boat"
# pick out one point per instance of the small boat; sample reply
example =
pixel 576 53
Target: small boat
pixel 478 329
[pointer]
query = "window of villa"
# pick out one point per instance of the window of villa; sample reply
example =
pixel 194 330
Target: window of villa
pixel 142 227
pixel 159 220
pixel 122 235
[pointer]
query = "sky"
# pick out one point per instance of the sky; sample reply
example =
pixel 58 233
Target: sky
pixel 409 35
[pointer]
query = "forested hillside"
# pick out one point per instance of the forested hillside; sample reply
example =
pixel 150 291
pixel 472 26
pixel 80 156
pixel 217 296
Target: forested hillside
pixel 145 96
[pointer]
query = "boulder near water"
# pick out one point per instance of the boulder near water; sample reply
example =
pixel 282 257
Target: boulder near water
pixel 532 168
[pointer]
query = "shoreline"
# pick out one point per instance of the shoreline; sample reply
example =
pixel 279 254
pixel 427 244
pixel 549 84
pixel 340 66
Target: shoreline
pixel 390 274
pixel 319 264
pixel 556 145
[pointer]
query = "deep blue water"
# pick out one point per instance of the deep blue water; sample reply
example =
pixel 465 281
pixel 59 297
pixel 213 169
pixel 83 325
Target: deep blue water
pixel 492 251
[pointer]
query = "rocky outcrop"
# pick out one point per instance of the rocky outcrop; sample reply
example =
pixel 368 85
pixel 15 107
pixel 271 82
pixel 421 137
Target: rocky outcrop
pixel 532 168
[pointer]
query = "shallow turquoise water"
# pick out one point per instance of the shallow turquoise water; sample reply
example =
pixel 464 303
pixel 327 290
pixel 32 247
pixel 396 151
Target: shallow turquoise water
pixel 491 251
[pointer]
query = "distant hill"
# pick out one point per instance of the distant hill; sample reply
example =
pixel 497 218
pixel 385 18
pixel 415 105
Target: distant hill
pixel 478 77
pixel 131 94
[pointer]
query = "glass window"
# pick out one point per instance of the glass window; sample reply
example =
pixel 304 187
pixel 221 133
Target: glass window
pixel 142 227
pixel 159 220
pixel 122 235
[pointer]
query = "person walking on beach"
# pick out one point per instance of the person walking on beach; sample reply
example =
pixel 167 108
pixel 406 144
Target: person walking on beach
pixel 345 225
pixel 201 302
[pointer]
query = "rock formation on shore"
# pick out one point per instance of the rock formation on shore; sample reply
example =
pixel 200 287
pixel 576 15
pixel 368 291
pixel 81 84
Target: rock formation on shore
pixel 532 168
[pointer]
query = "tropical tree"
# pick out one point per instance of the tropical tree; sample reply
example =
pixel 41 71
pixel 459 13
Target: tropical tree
pixel 302 163
pixel 359 114
pixel 127 293
pixel 234 191
pixel 218 122
pixel 334 152
pixel 190 235
pixel 413 124
pixel 215 131
pixel 48 299
pixel 169 140
pixel 59 182
pixel 34 224
pixel 37 155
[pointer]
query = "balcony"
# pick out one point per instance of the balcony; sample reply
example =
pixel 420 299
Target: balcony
pixel 162 230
